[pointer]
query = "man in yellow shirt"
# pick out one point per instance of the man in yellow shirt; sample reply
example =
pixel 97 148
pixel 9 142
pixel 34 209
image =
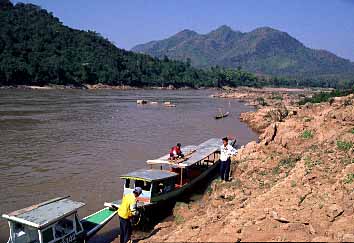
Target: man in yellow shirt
pixel 127 209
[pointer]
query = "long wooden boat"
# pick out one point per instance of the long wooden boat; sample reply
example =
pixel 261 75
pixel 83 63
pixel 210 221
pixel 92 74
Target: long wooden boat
pixel 55 221
pixel 170 180
pixel 220 116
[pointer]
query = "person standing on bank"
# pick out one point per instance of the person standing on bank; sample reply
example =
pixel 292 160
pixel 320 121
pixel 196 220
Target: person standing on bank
pixel 126 211
pixel 226 151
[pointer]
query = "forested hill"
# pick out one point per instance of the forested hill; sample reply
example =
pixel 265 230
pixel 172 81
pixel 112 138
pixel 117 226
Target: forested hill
pixel 37 49
pixel 263 50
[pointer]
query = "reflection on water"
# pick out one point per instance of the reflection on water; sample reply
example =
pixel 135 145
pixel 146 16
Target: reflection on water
pixel 77 142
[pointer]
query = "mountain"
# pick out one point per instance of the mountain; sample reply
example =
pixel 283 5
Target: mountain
pixel 263 51
pixel 37 49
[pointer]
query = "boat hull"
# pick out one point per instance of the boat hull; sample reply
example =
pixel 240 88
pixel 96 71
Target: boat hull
pixel 94 222
pixel 222 116
pixel 163 205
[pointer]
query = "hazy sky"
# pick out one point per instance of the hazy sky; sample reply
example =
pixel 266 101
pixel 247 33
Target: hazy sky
pixel 320 24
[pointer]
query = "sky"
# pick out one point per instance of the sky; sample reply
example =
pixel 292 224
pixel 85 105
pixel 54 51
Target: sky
pixel 319 24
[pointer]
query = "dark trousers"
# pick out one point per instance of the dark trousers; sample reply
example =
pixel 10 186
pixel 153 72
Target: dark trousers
pixel 125 230
pixel 225 169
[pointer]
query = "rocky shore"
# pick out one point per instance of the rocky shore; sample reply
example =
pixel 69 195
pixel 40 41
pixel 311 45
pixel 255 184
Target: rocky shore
pixel 295 184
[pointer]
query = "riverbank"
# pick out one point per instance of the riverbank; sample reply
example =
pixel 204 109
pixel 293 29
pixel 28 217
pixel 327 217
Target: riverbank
pixel 295 184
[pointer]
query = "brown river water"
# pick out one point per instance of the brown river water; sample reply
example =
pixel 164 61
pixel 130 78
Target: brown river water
pixel 77 142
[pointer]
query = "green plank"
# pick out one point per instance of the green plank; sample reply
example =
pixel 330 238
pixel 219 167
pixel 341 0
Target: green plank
pixel 99 217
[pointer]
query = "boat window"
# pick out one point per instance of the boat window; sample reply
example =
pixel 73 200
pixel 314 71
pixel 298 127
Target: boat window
pixel 145 185
pixel 161 187
pixel 24 234
pixel 64 226
pixel 129 183
pixel 48 235
pixel 78 224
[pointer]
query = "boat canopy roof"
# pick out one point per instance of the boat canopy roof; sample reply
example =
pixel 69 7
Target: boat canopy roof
pixel 199 153
pixel 164 159
pixel 149 175
pixel 202 151
pixel 46 213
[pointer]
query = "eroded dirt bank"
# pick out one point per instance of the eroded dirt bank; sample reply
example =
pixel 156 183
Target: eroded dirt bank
pixel 296 184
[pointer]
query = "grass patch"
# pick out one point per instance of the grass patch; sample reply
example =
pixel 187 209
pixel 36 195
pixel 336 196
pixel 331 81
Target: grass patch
pixel 307 134
pixel 217 180
pixel 277 114
pixel 352 131
pixel 347 161
pixel 293 183
pixel 276 97
pixel 209 189
pixel 181 204
pixel 344 145
pixel 261 101
pixel 310 164
pixel 276 170
pixel 313 147
pixel 263 173
pixel 307 119
pixel 287 163
pixel 179 219
pixel 349 179
pixel 325 96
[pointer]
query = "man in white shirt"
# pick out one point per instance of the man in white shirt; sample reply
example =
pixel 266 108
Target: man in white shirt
pixel 226 151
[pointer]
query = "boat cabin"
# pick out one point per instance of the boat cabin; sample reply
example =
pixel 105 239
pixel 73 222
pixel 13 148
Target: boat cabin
pixel 154 183
pixel 52 221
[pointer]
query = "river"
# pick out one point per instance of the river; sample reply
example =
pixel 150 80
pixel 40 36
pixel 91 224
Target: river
pixel 77 142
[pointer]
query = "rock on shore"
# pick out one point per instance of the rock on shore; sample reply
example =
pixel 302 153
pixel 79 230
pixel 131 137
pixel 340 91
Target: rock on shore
pixel 296 184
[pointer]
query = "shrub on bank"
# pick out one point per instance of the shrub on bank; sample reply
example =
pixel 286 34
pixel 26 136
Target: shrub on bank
pixel 325 96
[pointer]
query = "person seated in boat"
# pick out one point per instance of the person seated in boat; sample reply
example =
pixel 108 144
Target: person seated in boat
pixel 226 151
pixel 175 152
pixel 161 188
pixel 127 210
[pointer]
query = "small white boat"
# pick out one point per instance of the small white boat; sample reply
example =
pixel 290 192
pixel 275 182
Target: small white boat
pixel 169 104
pixel 55 221
pixel 141 102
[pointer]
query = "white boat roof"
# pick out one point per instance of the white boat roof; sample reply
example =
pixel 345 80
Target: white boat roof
pixel 149 175
pixel 201 152
pixel 46 213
